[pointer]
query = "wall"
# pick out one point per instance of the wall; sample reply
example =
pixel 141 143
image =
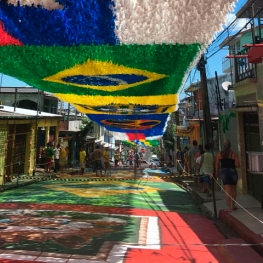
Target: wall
pixel 226 97
pixel 247 37
pixel 9 98
pixel 231 132
pixel 260 100
pixel 245 87
pixel 45 103
pixel 3 134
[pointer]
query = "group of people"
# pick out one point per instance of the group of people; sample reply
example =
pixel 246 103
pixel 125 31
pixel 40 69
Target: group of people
pixel 56 157
pixel 97 156
pixel 200 162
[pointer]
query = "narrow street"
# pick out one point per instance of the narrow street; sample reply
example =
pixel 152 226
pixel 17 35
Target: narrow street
pixel 105 220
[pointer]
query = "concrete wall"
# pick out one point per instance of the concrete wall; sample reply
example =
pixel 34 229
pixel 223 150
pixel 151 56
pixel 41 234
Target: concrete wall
pixel 260 100
pixel 247 37
pixel 45 103
pixel 3 139
pixel 231 132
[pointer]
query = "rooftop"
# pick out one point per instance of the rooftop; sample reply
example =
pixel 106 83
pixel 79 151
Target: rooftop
pixel 244 12
pixel 24 90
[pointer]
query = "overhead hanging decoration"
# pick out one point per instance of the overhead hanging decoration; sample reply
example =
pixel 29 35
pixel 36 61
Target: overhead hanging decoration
pixel 146 143
pixel 134 136
pixel 129 57
pixel 146 125
pixel 97 53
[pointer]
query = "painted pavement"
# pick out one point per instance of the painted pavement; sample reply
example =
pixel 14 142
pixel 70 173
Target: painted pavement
pixel 104 221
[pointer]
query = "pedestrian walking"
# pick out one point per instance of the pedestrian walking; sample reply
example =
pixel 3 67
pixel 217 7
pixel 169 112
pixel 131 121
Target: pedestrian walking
pixel 130 158
pixel 106 160
pixel 207 164
pixel 56 158
pixel 191 155
pixel 96 155
pixel 49 152
pixel 63 158
pixel 82 160
pixel 196 179
pixel 43 158
pixel 228 161
pixel 136 159
pixel 200 170
pixel 116 159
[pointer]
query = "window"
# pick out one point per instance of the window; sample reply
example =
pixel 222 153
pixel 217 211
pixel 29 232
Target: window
pixel 238 46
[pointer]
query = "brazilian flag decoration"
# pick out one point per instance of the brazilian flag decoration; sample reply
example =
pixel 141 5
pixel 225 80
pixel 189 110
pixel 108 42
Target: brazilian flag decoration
pixel 113 56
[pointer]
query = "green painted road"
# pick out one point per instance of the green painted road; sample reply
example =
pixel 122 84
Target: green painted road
pixel 164 196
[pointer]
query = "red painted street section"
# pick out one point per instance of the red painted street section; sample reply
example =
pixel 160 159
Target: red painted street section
pixel 182 235
pixel 17 261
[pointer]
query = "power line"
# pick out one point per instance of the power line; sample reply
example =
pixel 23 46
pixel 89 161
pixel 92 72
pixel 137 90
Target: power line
pixel 228 41
pixel 232 24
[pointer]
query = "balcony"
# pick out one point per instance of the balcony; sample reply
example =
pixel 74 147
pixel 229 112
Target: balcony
pixel 245 70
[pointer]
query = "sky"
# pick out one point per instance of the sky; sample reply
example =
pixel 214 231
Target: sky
pixel 213 64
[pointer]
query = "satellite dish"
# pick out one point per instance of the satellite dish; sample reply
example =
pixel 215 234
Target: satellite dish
pixel 226 84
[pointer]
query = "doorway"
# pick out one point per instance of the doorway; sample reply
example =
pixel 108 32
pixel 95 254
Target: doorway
pixel 252 144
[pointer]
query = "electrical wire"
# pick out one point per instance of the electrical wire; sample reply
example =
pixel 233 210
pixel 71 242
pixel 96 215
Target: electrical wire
pixel 229 40
pixel 232 24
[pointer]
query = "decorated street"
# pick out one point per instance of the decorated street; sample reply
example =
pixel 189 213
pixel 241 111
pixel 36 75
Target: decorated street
pixel 105 220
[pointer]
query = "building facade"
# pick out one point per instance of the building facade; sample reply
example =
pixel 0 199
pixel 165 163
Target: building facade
pixel 219 100
pixel 243 124
pixel 20 135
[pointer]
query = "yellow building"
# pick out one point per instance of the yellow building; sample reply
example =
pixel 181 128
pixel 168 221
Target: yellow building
pixel 20 135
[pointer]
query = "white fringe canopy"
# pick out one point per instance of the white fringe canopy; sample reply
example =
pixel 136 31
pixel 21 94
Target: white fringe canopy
pixel 170 21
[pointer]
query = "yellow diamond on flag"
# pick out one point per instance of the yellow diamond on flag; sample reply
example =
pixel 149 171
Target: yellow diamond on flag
pixel 105 76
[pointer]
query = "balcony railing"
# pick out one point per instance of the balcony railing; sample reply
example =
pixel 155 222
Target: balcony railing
pixel 243 68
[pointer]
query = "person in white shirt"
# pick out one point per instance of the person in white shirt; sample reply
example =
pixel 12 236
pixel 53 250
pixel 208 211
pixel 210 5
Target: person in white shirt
pixel 56 158
pixel 207 164
pixel 201 173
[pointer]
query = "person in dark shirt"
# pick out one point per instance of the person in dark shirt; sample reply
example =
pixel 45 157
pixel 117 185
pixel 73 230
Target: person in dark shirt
pixel 228 161
pixel 96 155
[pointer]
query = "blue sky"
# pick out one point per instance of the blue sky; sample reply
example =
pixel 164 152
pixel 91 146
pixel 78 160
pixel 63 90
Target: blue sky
pixel 213 64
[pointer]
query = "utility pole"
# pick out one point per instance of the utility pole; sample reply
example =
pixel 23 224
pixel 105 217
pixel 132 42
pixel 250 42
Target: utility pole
pixel 176 138
pixel 208 134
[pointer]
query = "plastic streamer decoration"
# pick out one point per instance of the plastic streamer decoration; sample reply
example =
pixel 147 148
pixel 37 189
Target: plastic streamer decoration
pixel 142 126
pixel 112 52
pixel 145 143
